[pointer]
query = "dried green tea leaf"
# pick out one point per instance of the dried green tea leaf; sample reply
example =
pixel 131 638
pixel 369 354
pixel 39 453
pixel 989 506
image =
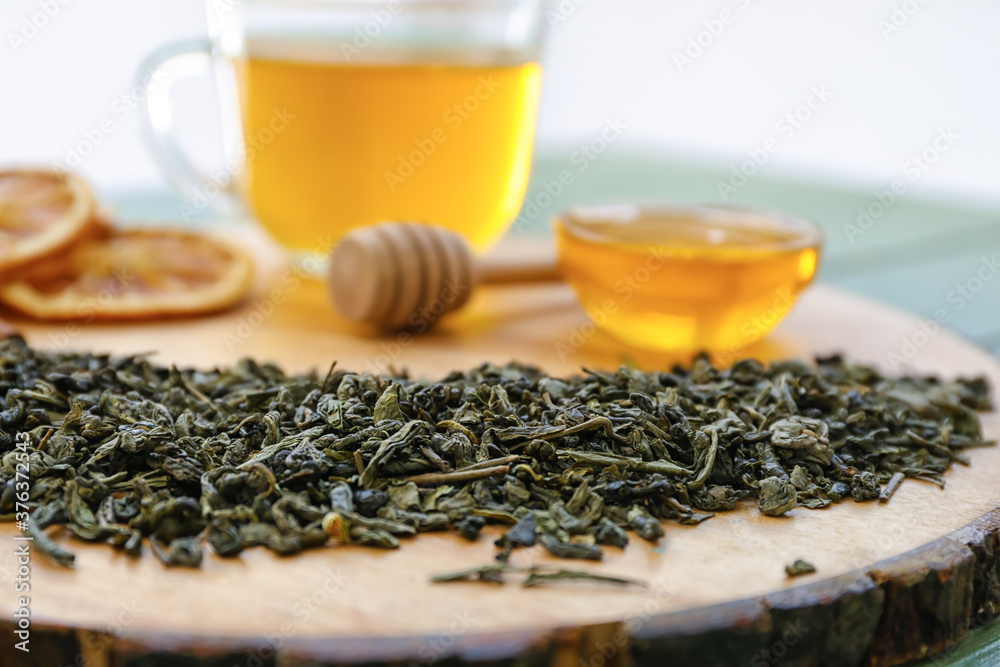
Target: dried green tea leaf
pixel 521 534
pixel 47 546
pixel 387 406
pixel 799 568
pixel 536 578
pixel 776 497
pixel 611 534
pixel 491 573
pixel 123 450
pixel 562 549
pixel 470 527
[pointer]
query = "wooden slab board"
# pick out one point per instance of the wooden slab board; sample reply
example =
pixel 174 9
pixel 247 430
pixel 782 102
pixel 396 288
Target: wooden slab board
pixel 894 582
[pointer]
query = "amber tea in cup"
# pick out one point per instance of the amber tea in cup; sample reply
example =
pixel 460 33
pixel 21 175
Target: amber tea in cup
pixel 445 142
pixel 683 280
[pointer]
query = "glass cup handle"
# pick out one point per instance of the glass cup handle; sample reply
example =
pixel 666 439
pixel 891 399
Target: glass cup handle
pixel 156 77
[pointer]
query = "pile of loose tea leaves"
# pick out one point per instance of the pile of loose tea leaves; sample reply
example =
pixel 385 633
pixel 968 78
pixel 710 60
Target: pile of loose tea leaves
pixel 121 450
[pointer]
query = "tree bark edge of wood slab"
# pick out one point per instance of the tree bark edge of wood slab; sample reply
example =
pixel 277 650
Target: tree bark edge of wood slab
pixel 900 609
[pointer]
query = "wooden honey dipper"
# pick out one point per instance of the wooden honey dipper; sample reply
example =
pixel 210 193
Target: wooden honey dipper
pixel 395 274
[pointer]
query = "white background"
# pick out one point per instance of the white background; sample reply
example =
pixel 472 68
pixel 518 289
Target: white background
pixel 890 92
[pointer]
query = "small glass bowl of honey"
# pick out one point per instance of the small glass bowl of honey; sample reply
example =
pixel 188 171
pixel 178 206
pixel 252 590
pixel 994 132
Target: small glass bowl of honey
pixel 686 279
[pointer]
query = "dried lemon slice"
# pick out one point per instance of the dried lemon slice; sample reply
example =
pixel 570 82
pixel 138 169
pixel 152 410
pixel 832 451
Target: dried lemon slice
pixel 40 212
pixel 127 274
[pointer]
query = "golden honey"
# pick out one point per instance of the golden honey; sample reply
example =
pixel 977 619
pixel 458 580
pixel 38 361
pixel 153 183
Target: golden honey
pixel 334 146
pixel 686 280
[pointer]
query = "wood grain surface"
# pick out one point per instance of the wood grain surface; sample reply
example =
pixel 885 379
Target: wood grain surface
pixel 894 581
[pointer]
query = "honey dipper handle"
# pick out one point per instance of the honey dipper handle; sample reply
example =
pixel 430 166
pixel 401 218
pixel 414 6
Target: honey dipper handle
pixel 517 269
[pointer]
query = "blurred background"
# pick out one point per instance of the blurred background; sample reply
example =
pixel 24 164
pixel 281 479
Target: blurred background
pixel 837 101
pixel 895 71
